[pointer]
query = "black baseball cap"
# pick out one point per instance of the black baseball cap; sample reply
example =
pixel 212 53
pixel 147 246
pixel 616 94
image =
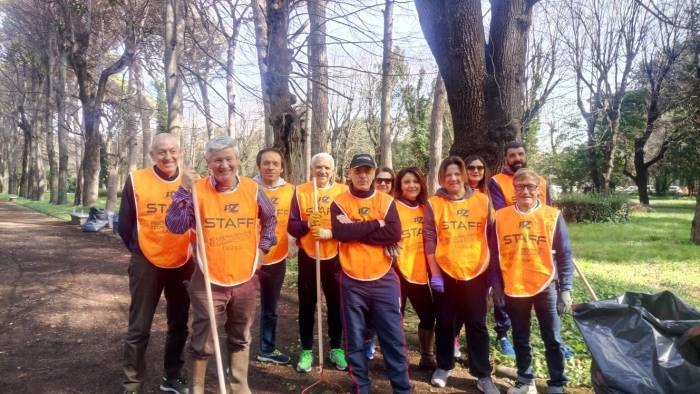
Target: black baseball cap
pixel 362 160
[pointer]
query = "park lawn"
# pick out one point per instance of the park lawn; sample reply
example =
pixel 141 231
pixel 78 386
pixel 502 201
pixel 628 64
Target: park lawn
pixel 60 211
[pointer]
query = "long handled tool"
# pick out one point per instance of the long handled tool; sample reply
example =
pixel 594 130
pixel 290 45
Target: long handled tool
pixel 319 310
pixel 202 256
pixel 585 281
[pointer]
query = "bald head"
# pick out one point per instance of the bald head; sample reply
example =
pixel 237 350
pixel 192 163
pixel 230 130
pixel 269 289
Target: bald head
pixel 165 152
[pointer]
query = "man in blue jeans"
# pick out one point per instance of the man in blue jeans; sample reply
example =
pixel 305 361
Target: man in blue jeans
pixel 533 257
pixel 271 274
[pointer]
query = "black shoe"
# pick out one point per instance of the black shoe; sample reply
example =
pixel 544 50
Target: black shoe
pixel 177 386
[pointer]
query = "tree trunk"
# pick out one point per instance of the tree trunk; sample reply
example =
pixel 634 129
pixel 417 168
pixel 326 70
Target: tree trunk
pixel 455 33
pixel 145 112
pixel 230 81
pixel 174 31
pixel 260 18
pixel 318 65
pixel 60 94
pixel 48 123
pixel 695 228
pixel 113 177
pixel 506 58
pixel 206 106
pixel 91 155
pixel 284 119
pixel 385 158
pixel 132 141
pixel 436 129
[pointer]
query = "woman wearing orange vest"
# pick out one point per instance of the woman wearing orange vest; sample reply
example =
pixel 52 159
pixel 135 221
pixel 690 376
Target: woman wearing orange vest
pixel 238 225
pixel 533 252
pixel 160 263
pixel 411 196
pixel 307 227
pixel 455 229
pixel 367 225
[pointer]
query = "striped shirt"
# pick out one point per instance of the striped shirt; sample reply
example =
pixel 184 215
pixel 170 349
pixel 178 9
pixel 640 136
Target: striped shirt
pixel 180 216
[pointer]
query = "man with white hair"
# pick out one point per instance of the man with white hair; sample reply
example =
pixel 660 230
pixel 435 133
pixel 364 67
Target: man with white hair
pixel 160 262
pixel 308 227
pixel 232 208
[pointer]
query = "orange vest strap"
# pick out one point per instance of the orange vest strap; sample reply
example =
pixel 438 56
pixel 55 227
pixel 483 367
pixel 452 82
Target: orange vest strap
pixel 281 198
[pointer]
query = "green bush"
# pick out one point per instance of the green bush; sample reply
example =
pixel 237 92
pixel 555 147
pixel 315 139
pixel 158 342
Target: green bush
pixel 578 207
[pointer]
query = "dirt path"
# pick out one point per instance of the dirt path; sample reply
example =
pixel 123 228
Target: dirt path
pixel 63 315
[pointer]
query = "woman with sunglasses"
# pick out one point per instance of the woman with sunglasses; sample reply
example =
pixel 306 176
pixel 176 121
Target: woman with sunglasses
pixel 455 226
pixel 384 180
pixel 411 194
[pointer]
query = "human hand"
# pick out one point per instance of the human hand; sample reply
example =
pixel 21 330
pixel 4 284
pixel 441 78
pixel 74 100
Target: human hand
pixel 321 233
pixel 564 302
pixel 315 219
pixel 499 299
pixel 189 176
pixel 437 283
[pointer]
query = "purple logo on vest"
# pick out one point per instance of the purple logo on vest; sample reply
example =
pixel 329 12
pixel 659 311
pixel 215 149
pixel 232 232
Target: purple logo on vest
pixel 525 224
pixel 233 208
pixel 463 212
pixel 363 211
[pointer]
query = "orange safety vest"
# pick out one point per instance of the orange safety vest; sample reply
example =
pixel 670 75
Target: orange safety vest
pixel 505 182
pixel 152 197
pixel 230 230
pixel 462 249
pixel 411 260
pixel 359 260
pixel 525 249
pixel 281 198
pixel 305 201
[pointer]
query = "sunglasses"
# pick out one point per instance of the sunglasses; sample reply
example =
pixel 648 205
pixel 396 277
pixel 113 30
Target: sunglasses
pixel 383 180
pixel 475 168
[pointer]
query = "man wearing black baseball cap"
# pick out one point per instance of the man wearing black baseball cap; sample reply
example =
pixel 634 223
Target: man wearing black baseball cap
pixel 367 225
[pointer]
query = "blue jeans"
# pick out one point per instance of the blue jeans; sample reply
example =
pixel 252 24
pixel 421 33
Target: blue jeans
pixel 545 305
pixel 376 302
pixel 271 280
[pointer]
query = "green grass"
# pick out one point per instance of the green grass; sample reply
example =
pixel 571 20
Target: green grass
pixel 59 211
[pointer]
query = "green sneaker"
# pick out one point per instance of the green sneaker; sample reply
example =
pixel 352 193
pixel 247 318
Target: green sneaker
pixel 337 357
pixel 306 358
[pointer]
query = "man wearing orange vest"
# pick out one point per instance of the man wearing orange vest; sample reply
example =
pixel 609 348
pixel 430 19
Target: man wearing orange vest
pixel 271 274
pixel 160 262
pixel 503 195
pixel 308 227
pixel 533 268
pixel 238 225
pixel 368 227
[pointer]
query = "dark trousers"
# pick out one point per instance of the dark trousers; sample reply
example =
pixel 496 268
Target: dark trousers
pixel 375 302
pixel 519 309
pixel 422 301
pixel 146 283
pixel 463 301
pixel 306 287
pixel 502 321
pixel 271 280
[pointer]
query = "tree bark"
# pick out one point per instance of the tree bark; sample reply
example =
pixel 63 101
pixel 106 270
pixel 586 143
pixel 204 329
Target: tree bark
pixel 132 142
pixel 284 119
pixel 318 65
pixel 60 96
pixel 145 113
pixel 385 157
pixel 455 33
pixel 48 121
pixel 174 35
pixel 506 58
pixel 436 129
pixel 206 106
pixel 695 227
pixel 260 20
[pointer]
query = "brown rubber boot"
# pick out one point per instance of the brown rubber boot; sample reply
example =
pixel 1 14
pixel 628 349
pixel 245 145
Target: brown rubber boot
pixel 427 356
pixel 199 373
pixel 238 371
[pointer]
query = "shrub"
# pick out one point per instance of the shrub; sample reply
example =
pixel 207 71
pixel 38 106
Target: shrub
pixel 578 207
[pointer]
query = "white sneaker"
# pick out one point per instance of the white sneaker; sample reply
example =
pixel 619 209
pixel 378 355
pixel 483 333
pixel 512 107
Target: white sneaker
pixel 486 386
pixel 523 388
pixel 439 378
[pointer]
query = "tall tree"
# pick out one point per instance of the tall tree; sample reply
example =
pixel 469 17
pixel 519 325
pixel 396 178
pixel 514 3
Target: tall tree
pixel 318 66
pixel 385 137
pixel 260 20
pixel 436 129
pixel 174 36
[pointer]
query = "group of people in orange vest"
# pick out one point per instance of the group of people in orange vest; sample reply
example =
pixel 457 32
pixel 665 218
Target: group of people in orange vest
pixel 382 241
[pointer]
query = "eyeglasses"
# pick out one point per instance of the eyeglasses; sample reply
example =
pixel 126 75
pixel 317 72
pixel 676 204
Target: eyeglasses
pixel 522 188
pixel 475 168
pixel 383 180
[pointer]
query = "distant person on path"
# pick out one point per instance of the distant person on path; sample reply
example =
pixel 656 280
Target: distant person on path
pixel 308 227
pixel 160 262
pixel 271 274
pixel 456 234
pixel 411 195
pixel 232 209
pixel 532 267
pixel 368 227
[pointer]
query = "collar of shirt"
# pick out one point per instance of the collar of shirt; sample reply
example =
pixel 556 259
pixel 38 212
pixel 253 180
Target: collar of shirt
pixel 162 175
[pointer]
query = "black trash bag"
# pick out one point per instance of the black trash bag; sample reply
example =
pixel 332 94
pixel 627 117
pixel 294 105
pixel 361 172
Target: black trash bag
pixel 97 219
pixel 632 341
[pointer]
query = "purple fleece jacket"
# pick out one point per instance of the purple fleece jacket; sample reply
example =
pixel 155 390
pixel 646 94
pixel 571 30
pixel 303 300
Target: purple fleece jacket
pixel 367 232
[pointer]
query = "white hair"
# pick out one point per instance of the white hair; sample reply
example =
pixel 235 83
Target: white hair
pixel 158 138
pixel 322 155
pixel 220 143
